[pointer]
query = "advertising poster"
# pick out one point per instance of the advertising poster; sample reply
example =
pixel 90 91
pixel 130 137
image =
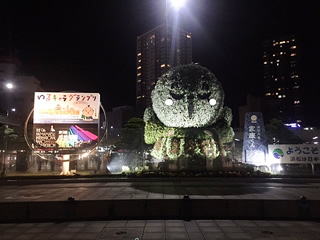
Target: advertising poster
pixel 299 153
pixel 64 137
pixel 62 107
pixel 65 122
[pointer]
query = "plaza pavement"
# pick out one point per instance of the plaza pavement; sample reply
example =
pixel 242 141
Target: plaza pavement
pixel 159 198
pixel 163 230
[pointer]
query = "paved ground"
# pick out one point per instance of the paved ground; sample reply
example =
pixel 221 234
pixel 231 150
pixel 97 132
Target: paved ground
pixel 239 189
pixel 29 191
pixel 164 229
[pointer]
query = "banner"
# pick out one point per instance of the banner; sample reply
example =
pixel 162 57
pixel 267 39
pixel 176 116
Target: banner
pixel 254 139
pixel 294 153
pixel 63 107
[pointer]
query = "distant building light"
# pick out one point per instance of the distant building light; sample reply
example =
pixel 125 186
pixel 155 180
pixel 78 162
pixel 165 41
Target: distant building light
pixel 139 60
pixel 293 47
pixel 273 55
pixel 296 102
pixel 282 42
pixel 139 67
pixel 268 94
pixel 162 65
pixel 188 36
pixel 293 54
pixel 139 54
pixel 279 96
pixel 315 137
pixel 265 63
pixel 316 142
pixel 139 74
pixel 293 125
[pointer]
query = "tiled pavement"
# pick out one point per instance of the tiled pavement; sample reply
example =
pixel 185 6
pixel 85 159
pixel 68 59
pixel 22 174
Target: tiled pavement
pixel 159 190
pixel 163 229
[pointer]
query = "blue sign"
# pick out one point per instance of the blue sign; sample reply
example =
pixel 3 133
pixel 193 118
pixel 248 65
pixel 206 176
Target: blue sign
pixel 254 140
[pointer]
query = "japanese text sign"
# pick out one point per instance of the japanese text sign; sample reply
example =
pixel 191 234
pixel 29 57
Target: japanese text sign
pixel 64 107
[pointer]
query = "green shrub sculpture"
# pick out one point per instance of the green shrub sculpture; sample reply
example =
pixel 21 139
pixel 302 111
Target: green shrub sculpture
pixel 188 121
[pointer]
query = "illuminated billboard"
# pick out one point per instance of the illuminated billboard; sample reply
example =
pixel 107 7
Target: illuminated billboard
pixel 63 107
pixel 64 137
pixel 65 122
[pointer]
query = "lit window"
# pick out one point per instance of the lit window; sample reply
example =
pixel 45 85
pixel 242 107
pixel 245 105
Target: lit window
pixel 163 65
pixel 276 79
pixel 265 63
pixel 281 53
pixel 271 62
pixel 139 80
pixel 139 67
pixel 153 36
pixel 138 97
pixel 296 102
pixel 279 89
pixel 139 54
pixel 296 87
pixel 273 55
pixel 139 60
pixel 294 76
pixel 293 40
pixel 139 74
pixel 278 60
pixel 293 54
pixel 277 64
pixel 283 96
pixel 282 42
pixel 277 93
pixel 268 94
pixel 188 36
pixel 279 96
pixel 293 47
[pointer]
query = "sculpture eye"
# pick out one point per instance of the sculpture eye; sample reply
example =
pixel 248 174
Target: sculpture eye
pixel 212 102
pixel 168 102
pixel 176 96
pixel 204 96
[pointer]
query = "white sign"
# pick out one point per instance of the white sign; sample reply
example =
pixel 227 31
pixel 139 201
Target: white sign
pixel 63 107
pixel 300 153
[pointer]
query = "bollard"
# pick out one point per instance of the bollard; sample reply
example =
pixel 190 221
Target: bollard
pixel 304 208
pixel 186 208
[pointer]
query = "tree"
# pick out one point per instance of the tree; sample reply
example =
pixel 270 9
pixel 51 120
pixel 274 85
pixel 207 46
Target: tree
pixel 132 135
pixel 278 133
pixel 6 135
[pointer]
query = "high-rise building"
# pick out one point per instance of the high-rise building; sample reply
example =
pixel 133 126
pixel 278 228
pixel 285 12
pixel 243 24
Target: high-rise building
pixel 282 80
pixel 158 50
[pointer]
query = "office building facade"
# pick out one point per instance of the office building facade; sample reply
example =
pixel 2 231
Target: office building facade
pixel 158 50
pixel 283 97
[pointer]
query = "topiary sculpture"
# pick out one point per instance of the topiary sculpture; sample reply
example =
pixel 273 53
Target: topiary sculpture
pixel 188 121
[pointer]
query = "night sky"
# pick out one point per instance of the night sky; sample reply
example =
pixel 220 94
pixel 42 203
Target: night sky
pixel 91 45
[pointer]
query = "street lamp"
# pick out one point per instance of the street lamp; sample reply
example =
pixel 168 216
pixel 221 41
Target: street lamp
pixel 176 4
pixel 9 85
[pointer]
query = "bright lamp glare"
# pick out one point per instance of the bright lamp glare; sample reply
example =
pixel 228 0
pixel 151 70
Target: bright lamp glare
pixel 177 4
pixel 9 85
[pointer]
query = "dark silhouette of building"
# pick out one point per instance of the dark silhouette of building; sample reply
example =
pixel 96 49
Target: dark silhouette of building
pixel 158 50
